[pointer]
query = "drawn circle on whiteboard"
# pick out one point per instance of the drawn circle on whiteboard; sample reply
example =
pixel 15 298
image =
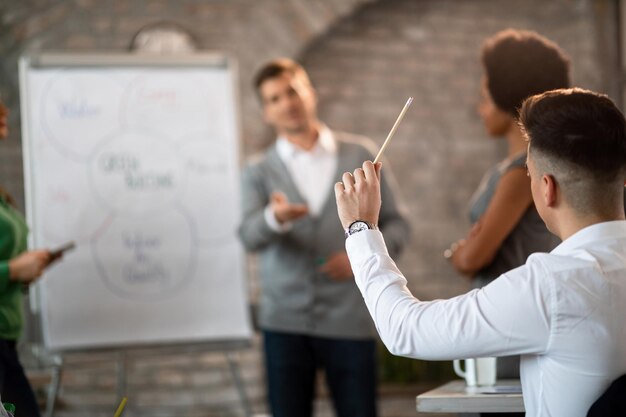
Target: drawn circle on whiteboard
pixel 210 165
pixel 149 260
pixel 168 100
pixel 137 173
pixel 72 212
pixel 78 111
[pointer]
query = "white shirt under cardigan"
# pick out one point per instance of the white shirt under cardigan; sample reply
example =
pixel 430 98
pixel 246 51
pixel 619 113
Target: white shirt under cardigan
pixel 564 312
pixel 312 172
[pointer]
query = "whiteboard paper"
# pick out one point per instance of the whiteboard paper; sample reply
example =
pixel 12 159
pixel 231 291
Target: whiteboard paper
pixel 138 164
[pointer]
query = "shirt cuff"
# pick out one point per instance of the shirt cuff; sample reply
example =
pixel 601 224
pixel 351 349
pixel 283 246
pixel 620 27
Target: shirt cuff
pixel 362 245
pixel 273 223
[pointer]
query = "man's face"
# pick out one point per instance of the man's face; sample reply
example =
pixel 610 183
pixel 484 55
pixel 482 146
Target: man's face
pixel 289 103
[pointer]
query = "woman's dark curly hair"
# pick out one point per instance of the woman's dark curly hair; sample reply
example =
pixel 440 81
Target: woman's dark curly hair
pixel 520 64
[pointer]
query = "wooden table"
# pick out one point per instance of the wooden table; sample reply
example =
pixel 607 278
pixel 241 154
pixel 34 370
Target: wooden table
pixel 456 397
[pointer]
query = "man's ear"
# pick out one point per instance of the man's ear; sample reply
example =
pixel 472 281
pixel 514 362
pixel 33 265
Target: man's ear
pixel 549 190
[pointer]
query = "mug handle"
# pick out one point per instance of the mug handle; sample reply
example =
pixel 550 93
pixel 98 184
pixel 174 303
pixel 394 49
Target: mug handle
pixel 457 368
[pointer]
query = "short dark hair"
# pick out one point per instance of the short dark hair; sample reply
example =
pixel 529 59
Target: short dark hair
pixel 277 67
pixel 522 63
pixel 580 128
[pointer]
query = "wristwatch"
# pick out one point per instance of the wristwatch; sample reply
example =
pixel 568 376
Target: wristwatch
pixel 358 226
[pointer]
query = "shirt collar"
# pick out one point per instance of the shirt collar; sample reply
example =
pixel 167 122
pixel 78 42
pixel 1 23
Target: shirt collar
pixel 326 144
pixel 595 232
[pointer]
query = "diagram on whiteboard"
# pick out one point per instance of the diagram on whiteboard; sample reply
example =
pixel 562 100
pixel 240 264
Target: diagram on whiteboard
pixel 138 166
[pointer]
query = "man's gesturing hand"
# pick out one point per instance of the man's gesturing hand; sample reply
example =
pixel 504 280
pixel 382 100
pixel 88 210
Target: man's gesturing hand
pixel 358 196
pixel 284 210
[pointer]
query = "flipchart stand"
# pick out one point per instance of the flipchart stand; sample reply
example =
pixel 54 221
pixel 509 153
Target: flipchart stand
pixel 162 136
pixel 121 357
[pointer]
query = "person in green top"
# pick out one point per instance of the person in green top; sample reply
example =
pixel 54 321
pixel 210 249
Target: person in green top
pixel 18 267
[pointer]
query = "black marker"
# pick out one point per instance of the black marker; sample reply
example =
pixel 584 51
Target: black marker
pixel 58 252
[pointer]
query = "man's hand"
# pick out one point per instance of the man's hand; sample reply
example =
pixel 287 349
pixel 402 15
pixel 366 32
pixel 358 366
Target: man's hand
pixel 338 267
pixel 358 196
pixel 29 266
pixel 284 210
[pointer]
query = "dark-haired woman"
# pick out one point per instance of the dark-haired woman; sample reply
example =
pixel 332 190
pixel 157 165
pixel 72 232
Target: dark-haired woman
pixel 17 268
pixel 506 226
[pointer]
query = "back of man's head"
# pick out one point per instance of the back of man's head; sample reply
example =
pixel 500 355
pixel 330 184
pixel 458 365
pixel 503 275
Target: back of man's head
pixel 578 137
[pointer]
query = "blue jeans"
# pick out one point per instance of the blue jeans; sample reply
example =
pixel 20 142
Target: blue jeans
pixel 14 387
pixel 291 362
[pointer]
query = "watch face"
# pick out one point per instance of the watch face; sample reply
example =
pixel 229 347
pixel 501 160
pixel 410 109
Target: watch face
pixel 357 227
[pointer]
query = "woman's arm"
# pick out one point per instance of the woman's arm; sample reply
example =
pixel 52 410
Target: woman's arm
pixel 28 266
pixel 506 208
pixel 25 267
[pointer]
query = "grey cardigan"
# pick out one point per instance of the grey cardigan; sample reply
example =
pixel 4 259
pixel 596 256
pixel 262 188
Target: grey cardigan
pixel 295 296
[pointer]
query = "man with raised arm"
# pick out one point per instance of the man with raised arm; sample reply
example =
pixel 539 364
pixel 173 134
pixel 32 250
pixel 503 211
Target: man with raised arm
pixel 562 311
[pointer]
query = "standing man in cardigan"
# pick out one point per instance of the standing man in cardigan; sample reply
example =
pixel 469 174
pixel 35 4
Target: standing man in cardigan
pixel 311 312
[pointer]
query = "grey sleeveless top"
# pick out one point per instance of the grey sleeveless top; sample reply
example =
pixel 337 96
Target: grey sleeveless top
pixel 529 235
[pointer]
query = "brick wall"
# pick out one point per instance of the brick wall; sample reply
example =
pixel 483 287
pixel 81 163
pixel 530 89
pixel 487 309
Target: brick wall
pixel 365 57
pixel 253 31
pixel 369 63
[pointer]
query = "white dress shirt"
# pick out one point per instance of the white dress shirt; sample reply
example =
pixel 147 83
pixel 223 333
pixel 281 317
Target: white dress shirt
pixel 312 172
pixel 563 312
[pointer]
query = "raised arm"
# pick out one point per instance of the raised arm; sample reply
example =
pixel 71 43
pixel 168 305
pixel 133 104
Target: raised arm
pixel 509 316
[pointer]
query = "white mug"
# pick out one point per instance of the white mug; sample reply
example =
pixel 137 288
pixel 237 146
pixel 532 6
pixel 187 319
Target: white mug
pixel 479 371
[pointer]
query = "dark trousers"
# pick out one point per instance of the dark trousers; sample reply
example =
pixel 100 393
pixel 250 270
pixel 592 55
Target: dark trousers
pixel 292 360
pixel 14 387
